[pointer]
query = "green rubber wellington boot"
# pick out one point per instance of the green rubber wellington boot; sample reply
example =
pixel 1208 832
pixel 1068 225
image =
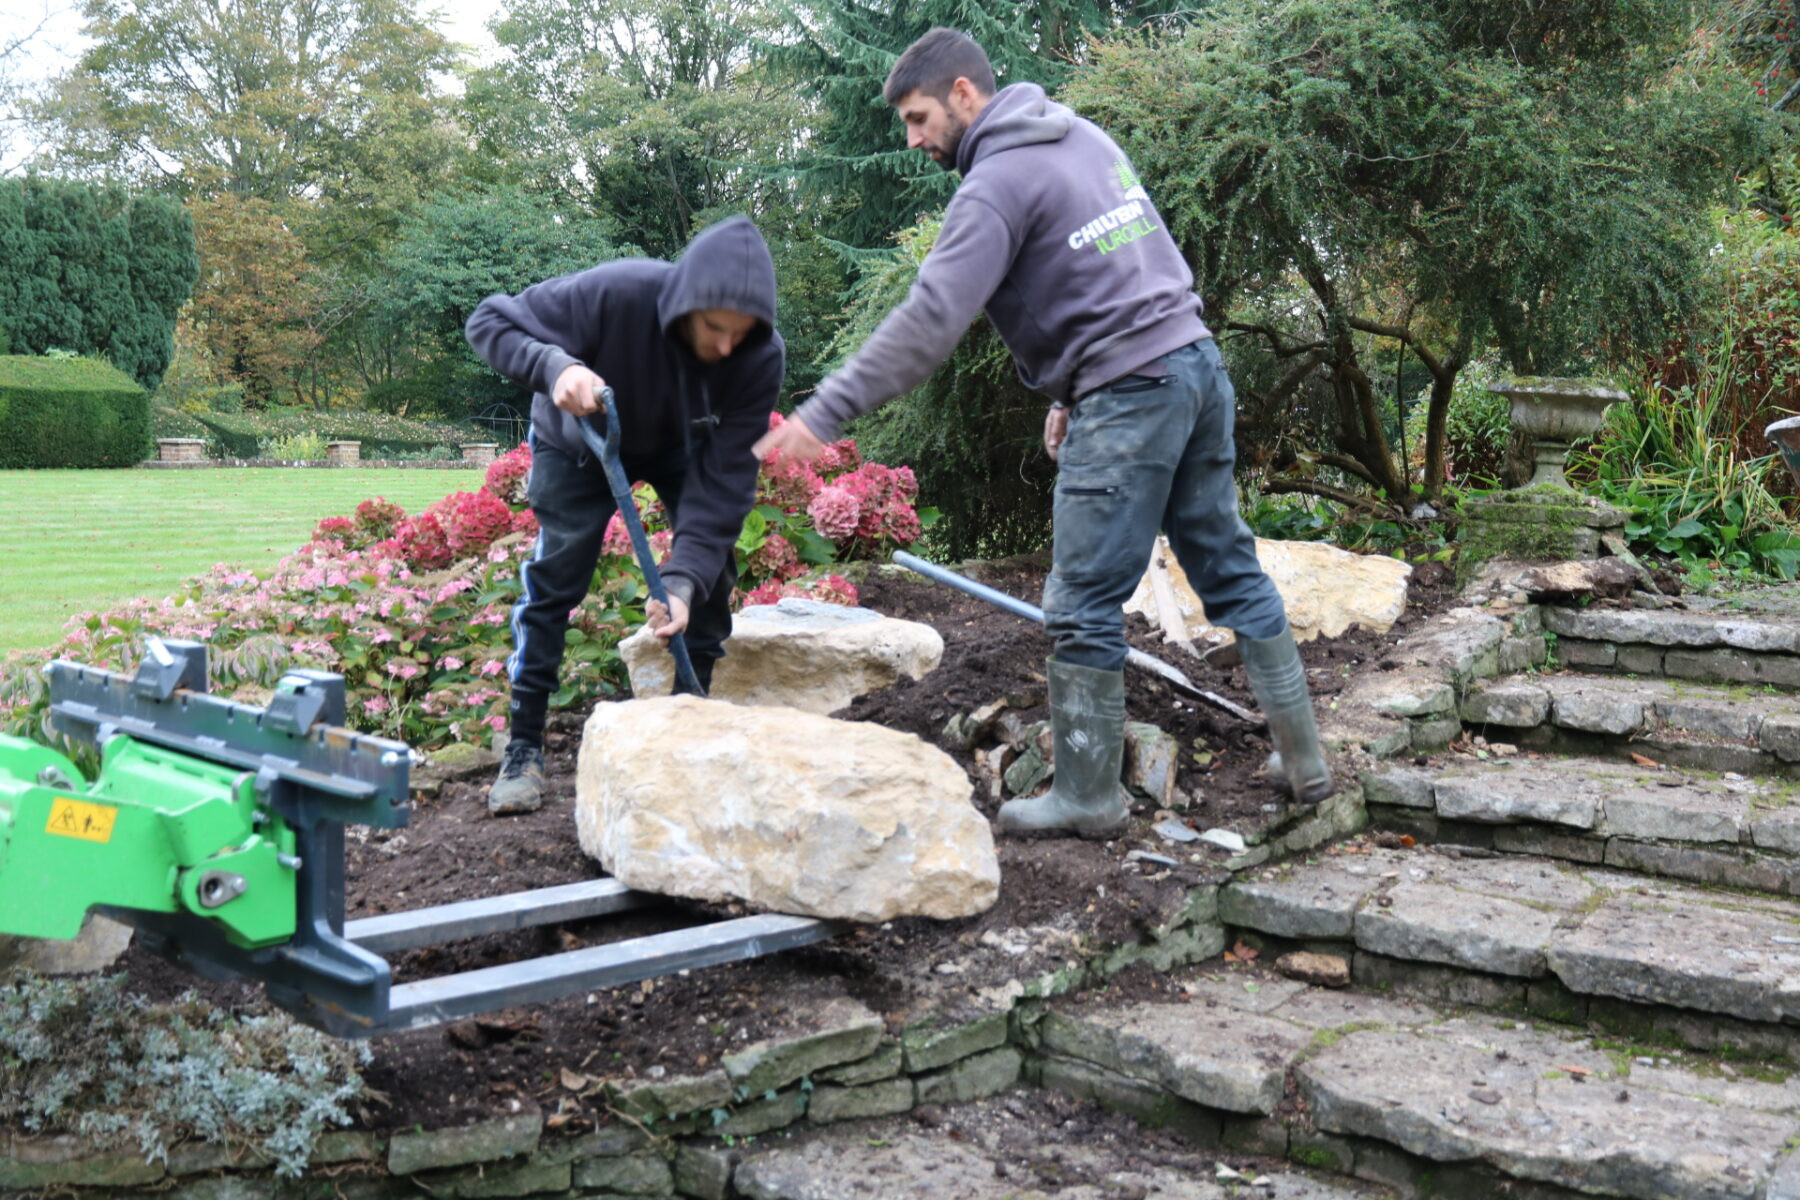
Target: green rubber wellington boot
pixel 1279 681
pixel 1087 722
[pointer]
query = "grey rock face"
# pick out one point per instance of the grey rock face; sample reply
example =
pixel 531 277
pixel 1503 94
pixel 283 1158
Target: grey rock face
pixel 1686 949
pixel 1780 736
pixel 1509 795
pixel 1309 902
pixel 1219 1057
pixel 1445 925
pixel 1596 709
pixel 1510 703
pixel 1505 1097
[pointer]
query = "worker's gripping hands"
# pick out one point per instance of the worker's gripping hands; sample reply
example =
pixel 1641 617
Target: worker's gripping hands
pixel 577 390
pixel 665 623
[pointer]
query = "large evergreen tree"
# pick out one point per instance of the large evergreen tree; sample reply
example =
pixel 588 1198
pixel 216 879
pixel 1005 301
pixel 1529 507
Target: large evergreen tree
pixel 653 115
pixel 1441 175
pixel 94 269
pixel 457 250
pixel 857 168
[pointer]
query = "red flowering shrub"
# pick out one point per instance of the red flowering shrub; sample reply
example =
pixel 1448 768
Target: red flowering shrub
pixel 471 521
pixel 377 520
pixel 776 559
pixel 828 589
pixel 421 542
pixel 506 475
pixel 335 529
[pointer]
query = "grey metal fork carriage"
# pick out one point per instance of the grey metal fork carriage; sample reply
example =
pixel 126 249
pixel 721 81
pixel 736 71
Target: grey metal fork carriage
pixel 319 777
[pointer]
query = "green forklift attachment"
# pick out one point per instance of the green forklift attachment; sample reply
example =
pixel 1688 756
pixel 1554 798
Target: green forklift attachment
pixel 216 829
pixel 158 831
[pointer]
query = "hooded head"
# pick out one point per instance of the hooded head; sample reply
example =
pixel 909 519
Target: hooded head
pixel 721 294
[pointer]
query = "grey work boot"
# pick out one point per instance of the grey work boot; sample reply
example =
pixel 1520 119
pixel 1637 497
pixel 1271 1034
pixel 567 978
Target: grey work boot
pixel 1279 680
pixel 1087 721
pixel 520 788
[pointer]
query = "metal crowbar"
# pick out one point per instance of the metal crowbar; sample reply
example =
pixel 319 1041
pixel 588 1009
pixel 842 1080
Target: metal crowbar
pixel 1031 612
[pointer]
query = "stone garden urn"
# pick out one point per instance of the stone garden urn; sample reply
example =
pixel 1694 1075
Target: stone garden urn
pixel 1554 414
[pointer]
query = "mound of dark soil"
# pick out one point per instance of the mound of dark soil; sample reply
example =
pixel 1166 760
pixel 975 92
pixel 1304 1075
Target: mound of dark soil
pixel 1053 893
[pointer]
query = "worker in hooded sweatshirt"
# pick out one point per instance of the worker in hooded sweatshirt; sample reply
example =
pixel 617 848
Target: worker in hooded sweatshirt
pixel 1053 234
pixel 691 353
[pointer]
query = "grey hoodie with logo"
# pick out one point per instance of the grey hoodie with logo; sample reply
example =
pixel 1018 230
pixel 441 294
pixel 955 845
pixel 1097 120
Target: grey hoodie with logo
pixel 1050 232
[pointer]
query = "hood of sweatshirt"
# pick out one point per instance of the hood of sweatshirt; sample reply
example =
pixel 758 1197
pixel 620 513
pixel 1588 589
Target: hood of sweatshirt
pixel 1018 115
pixel 727 266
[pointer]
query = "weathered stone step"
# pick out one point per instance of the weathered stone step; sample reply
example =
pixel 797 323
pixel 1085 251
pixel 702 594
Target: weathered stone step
pixel 1698 826
pixel 1707 727
pixel 1492 1095
pixel 1016 1148
pixel 1705 966
pixel 1732 647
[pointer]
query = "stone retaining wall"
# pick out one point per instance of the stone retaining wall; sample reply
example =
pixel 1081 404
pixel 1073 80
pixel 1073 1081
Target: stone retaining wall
pixel 448 464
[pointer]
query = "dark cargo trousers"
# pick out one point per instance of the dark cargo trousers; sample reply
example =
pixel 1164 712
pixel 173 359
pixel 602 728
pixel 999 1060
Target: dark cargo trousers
pixel 573 504
pixel 1142 454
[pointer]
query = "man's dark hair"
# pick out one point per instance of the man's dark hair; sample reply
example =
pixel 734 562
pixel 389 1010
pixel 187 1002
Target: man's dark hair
pixel 934 62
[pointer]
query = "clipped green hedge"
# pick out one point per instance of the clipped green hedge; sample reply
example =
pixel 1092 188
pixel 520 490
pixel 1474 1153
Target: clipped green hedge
pixel 70 412
pixel 381 435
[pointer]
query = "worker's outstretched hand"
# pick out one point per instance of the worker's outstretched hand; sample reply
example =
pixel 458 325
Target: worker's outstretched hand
pixel 792 439
pixel 665 623
pixel 577 390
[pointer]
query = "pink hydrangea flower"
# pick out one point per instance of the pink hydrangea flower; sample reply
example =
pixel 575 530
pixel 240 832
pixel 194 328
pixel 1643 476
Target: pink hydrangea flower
pixel 835 512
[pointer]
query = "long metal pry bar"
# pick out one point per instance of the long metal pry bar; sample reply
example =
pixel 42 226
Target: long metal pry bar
pixel 319 777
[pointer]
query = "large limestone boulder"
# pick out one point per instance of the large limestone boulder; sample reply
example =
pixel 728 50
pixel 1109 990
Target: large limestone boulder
pixel 788 811
pixel 797 654
pixel 1326 590
pixel 98 946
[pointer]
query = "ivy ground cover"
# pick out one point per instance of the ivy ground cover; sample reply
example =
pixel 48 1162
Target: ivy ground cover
pixel 78 541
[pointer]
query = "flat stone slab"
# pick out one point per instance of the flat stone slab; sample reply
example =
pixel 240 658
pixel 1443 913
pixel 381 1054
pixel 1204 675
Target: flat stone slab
pixel 1600 932
pixel 1493 915
pixel 1691 949
pixel 1506 795
pixel 1666 627
pixel 1617 706
pixel 1000 1155
pixel 1425 923
pixel 1545 1107
pixel 1214 1055
pixel 1541 1104
pixel 1599 799
pixel 1307 902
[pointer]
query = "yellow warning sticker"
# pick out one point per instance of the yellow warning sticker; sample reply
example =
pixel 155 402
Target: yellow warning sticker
pixel 80 819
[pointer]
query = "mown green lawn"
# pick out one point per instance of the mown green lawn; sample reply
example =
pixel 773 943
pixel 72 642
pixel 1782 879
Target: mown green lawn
pixel 75 541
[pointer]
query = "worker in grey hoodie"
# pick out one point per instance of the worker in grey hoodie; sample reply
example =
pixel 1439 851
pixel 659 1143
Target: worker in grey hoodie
pixel 1054 235
pixel 691 353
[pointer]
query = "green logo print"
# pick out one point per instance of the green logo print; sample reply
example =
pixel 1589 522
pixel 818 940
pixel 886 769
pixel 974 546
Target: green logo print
pixel 1122 225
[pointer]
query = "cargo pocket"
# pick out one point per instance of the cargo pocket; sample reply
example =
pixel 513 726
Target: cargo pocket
pixel 1090 529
